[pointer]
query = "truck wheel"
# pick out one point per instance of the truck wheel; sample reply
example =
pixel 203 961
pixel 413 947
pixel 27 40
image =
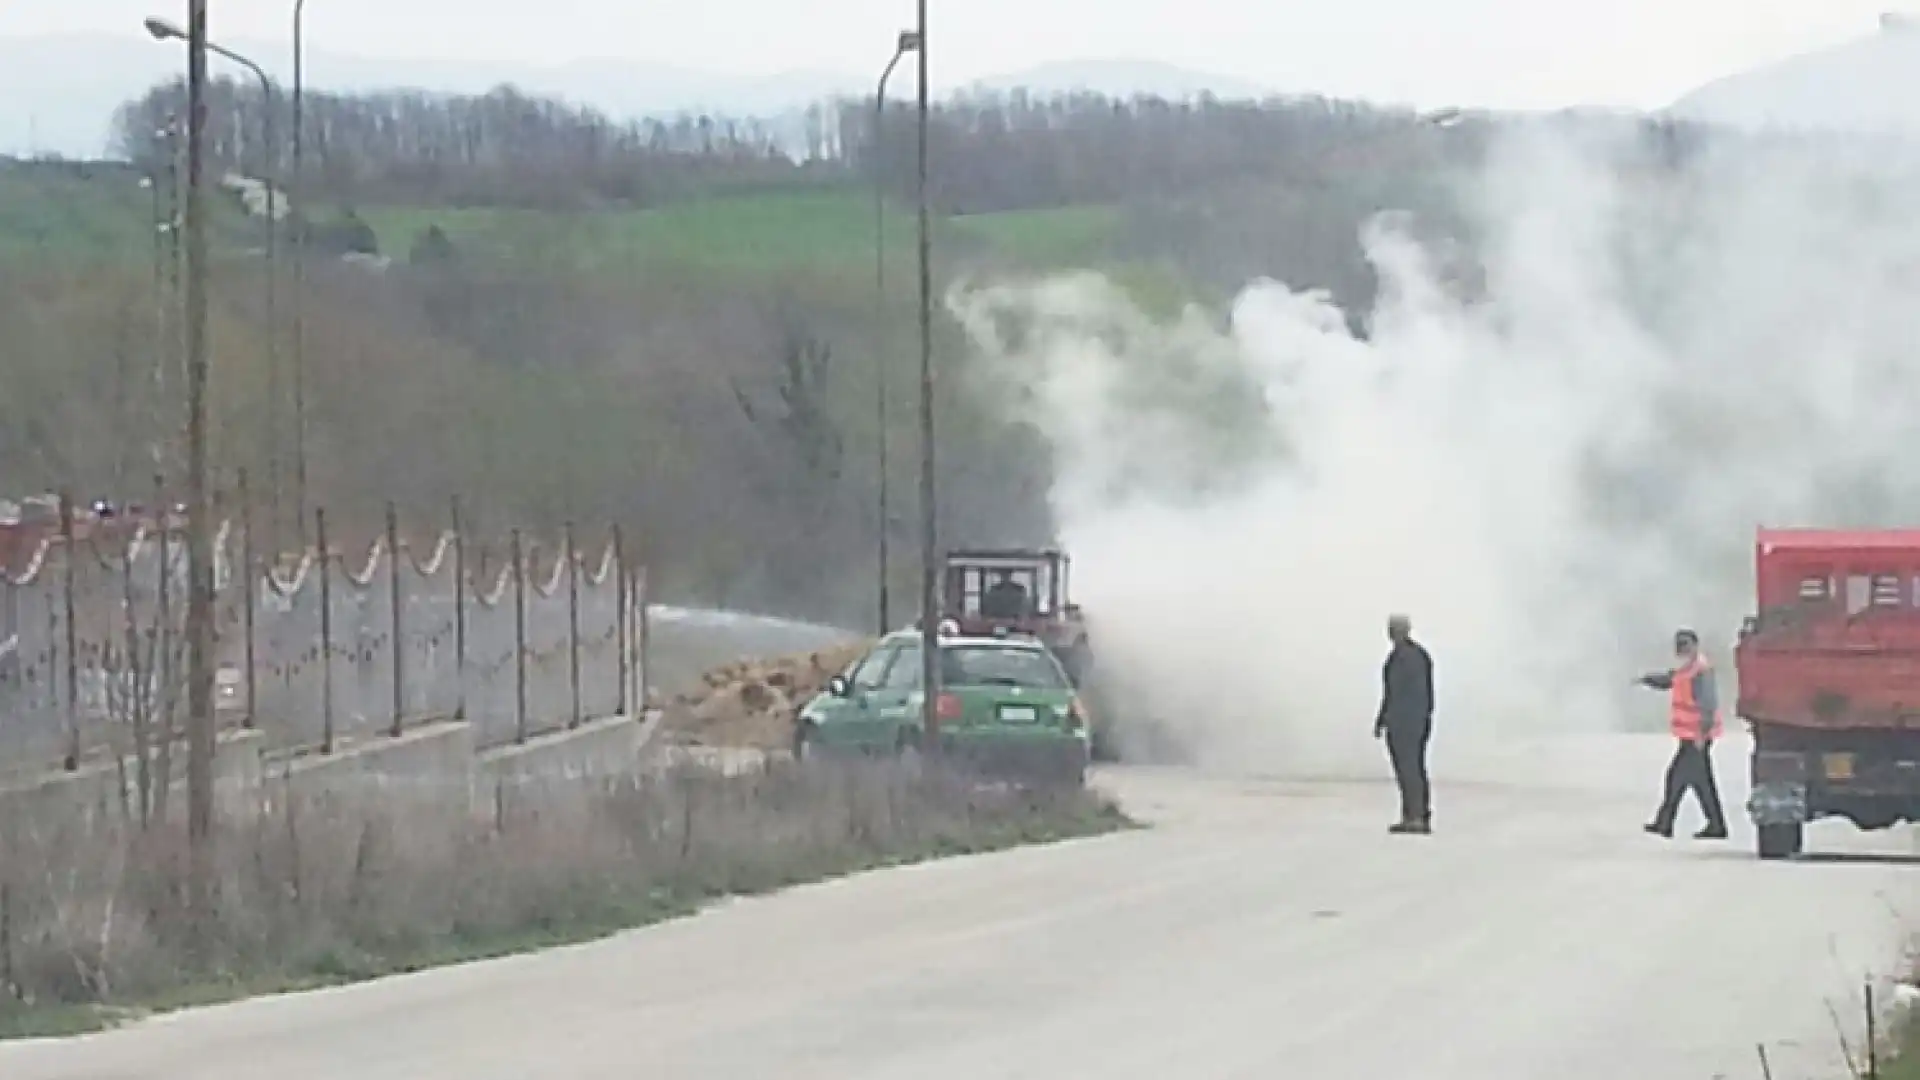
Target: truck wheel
pixel 1778 841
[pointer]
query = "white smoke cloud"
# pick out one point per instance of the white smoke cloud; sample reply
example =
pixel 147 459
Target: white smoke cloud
pixel 1549 478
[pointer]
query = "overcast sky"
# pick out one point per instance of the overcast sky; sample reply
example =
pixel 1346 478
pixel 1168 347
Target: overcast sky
pixel 1509 53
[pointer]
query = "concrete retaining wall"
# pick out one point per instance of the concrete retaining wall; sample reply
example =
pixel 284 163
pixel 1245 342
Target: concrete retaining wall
pixel 103 786
pixel 441 749
pixel 602 748
pixel 437 756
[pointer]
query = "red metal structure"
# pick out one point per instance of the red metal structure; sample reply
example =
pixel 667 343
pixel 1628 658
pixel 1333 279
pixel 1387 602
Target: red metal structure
pixel 976 600
pixel 1041 609
pixel 1829 674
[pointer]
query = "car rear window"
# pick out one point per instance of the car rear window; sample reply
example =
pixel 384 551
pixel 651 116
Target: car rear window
pixel 989 665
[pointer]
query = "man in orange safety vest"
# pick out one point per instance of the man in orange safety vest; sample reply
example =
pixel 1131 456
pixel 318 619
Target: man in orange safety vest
pixel 1693 714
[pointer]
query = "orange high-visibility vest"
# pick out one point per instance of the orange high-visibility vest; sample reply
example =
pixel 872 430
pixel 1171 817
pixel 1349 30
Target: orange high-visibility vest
pixel 1684 712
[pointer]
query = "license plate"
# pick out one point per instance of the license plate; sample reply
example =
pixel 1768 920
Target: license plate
pixel 1838 766
pixel 1018 714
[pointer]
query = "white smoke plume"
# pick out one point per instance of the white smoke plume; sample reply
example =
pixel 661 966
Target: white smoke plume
pixel 1549 478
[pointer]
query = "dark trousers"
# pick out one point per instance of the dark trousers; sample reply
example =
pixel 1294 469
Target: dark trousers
pixel 1407 749
pixel 1691 768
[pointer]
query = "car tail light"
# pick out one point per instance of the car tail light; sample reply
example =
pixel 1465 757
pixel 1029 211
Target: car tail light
pixel 946 707
pixel 1077 717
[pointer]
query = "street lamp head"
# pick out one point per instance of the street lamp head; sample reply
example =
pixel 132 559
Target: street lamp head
pixel 909 41
pixel 1444 118
pixel 162 30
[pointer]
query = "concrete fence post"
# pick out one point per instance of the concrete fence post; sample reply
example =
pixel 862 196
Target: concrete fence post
pixel 644 635
pixel 164 638
pixel 459 610
pixel 323 561
pixel 519 639
pixel 70 560
pixel 623 624
pixel 573 626
pixel 249 575
pixel 399 604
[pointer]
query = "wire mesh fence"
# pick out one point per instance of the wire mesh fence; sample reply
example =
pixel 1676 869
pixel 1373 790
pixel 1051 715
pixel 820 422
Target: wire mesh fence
pixel 334 643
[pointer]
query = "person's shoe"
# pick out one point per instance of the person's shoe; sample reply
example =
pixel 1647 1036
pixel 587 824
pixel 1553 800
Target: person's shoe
pixel 1401 828
pixel 1423 827
pixel 1664 832
pixel 1712 832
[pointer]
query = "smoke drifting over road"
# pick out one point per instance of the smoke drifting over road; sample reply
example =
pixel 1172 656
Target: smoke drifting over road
pixel 1548 477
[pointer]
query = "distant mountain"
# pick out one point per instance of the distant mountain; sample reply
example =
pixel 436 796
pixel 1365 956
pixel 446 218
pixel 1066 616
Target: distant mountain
pixel 58 94
pixel 1871 85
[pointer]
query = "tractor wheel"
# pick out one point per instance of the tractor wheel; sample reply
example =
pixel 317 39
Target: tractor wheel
pixel 1103 749
pixel 1078 660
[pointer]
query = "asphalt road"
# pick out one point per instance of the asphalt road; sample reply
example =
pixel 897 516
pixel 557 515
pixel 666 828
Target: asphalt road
pixel 1265 928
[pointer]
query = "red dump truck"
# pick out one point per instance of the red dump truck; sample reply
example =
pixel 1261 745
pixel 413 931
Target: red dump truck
pixel 1829 681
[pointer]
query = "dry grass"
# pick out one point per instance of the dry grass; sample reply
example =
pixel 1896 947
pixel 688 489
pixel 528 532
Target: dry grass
pixel 98 918
pixel 1903 1031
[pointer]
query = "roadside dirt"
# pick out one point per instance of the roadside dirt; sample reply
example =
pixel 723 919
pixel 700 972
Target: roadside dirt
pixel 752 703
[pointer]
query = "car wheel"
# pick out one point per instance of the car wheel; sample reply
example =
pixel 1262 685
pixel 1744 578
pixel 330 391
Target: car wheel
pixel 1076 767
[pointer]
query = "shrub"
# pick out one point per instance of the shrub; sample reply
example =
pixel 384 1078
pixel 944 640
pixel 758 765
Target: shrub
pixel 323 888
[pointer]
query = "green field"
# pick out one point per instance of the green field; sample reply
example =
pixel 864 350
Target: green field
pixel 1051 237
pixel 101 211
pixel 828 228
pixel 93 210
pixel 737 232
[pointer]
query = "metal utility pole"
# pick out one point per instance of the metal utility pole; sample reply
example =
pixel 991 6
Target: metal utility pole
pixel 908 42
pixel 163 30
pixel 294 188
pixel 929 551
pixel 270 175
pixel 155 379
pixel 165 184
pixel 200 734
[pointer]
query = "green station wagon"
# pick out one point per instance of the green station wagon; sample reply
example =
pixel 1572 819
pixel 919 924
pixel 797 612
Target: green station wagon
pixel 1004 703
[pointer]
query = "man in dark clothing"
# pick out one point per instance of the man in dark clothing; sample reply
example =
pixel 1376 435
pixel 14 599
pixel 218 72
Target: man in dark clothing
pixel 1405 721
pixel 1004 599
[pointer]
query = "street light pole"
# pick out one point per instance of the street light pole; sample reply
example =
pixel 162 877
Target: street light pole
pixel 200 742
pixel 929 551
pixel 298 180
pixel 907 42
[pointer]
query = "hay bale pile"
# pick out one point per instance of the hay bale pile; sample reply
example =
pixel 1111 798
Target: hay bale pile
pixel 752 703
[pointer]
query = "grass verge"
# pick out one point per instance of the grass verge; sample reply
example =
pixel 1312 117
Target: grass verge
pixel 99 924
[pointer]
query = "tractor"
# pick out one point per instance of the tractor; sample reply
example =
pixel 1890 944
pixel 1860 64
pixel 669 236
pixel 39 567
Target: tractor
pixel 998 592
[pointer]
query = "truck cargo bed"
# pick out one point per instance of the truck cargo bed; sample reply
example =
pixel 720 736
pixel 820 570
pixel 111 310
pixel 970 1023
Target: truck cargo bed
pixel 1834 688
